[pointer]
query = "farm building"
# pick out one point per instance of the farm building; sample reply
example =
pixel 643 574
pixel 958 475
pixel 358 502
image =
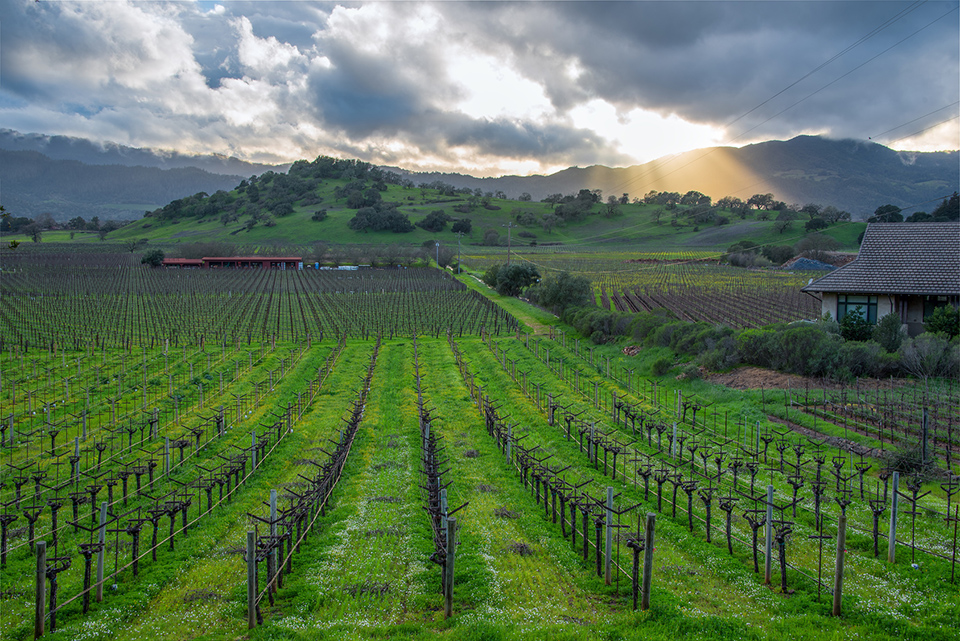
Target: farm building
pixel 905 268
pixel 236 262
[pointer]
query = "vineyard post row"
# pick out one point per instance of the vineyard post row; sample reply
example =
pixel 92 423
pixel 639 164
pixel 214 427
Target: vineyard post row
pixel 434 493
pixel 294 520
pixel 132 468
pixel 783 527
pixel 261 448
pixel 620 407
pixel 532 468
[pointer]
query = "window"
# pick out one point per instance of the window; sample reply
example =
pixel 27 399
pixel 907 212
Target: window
pixel 931 303
pixel 850 302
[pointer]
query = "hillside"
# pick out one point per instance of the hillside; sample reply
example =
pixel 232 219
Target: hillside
pixel 350 203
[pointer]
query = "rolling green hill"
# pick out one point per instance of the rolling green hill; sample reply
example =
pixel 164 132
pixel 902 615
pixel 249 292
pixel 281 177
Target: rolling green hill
pixel 279 209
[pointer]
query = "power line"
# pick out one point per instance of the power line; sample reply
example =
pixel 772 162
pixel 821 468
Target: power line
pixel 916 119
pixel 889 22
pixel 917 133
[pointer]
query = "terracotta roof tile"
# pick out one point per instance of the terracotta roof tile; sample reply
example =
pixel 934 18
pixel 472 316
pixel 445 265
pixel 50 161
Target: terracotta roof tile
pixel 901 258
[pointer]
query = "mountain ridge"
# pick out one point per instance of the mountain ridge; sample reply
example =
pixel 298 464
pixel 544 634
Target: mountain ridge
pixel 856 176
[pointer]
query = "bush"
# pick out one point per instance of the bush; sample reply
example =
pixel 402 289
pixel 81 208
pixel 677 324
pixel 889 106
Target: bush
pixel 758 347
pixel 462 226
pixel 890 332
pixel 722 357
pixel 490 276
pixel 319 216
pixel 854 326
pixel 944 320
pixel 691 371
pixel 862 359
pixel 435 221
pixel 908 459
pixel 563 291
pixel 930 355
pixel 778 254
pixel 661 366
pixel 808 351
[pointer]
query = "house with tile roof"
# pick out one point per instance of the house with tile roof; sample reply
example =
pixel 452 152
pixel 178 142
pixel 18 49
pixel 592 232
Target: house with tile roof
pixel 905 268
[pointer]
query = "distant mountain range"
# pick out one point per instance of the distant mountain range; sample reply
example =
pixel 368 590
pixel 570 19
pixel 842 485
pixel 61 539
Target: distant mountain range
pixel 69 177
pixel 34 184
pixel 855 176
pixel 93 153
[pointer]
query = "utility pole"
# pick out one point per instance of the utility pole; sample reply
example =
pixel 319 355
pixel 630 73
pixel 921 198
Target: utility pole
pixel 509 226
pixel 438 254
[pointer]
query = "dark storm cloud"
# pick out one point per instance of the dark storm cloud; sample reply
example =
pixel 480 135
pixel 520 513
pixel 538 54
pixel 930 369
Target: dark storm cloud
pixel 711 62
pixel 292 78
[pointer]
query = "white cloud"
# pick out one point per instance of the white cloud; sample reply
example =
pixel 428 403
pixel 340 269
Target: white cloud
pixel 491 88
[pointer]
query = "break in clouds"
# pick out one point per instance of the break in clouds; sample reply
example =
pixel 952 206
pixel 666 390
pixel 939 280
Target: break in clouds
pixel 485 88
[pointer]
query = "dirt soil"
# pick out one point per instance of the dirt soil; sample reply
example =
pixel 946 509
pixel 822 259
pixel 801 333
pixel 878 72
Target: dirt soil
pixel 757 377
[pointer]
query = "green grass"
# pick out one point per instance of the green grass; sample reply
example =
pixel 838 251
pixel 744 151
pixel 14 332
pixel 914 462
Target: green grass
pixel 634 229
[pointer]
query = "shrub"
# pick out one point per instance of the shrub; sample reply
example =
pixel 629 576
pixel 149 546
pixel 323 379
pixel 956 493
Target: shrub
pixel 778 254
pixel 930 355
pixel 691 371
pixel 562 291
pixel 661 366
pixel 722 357
pixel 861 359
pixel 490 276
pixel 319 215
pixel 758 347
pixel 854 326
pixel 889 332
pixel 512 279
pixel 435 221
pixel 908 459
pixel 808 351
pixel 944 320
pixel 462 226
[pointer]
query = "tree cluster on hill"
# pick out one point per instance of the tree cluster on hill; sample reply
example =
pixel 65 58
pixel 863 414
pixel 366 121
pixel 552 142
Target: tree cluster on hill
pixel 574 208
pixel 948 210
pixel 435 221
pixel 380 219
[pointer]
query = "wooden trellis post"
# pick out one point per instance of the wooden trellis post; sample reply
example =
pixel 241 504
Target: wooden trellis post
pixel 448 567
pixel 768 539
pixel 894 505
pixel 251 579
pixel 838 579
pixel 648 539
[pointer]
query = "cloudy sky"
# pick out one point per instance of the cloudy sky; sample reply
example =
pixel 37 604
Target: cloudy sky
pixel 479 87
